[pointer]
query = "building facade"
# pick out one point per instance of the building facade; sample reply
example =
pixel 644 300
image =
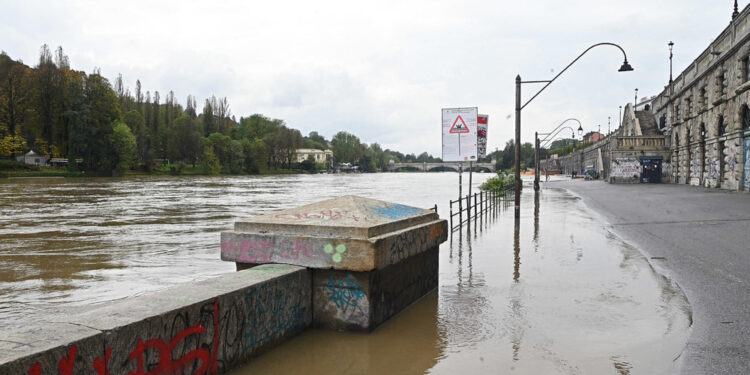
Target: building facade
pixel 704 113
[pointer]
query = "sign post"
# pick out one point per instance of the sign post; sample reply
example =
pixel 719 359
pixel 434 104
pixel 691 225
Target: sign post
pixel 459 128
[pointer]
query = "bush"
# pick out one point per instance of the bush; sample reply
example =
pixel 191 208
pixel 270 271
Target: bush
pixel 499 183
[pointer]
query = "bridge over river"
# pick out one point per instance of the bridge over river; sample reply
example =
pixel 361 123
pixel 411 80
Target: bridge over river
pixel 439 167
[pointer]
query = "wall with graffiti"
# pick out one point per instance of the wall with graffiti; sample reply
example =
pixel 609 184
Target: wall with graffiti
pixel 191 329
pixel 626 169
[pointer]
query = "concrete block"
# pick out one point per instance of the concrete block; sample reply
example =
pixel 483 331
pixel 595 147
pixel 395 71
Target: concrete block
pixel 202 327
pixel 361 301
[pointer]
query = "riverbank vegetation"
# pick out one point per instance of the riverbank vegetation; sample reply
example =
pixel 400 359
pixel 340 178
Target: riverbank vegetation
pixel 89 125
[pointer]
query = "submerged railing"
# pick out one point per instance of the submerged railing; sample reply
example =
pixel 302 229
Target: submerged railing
pixel 483 202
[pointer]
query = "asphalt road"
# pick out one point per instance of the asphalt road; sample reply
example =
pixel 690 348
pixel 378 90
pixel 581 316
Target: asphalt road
pixel 699 237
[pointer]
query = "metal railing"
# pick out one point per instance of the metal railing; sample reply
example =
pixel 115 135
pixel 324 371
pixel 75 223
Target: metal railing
pixel 484 202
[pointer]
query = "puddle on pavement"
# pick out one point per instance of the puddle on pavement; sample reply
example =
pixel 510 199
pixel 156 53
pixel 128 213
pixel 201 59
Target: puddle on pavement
pixel 554 293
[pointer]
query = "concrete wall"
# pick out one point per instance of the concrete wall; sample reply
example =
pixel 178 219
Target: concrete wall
pixel 196 328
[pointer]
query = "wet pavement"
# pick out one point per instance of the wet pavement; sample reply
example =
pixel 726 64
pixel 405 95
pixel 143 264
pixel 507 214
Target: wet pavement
pixel 554 293
pixel 699 237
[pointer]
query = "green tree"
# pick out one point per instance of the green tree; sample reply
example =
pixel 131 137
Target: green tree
pixel 210 163
pixel 344 146
pixel 123 147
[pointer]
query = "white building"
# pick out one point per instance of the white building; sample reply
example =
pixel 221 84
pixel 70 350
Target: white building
pixel 320 156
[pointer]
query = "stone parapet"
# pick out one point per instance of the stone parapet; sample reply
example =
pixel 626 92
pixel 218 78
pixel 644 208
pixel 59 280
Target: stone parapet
pixel 202 327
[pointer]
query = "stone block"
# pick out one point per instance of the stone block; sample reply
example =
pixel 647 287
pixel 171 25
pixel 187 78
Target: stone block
pixel 370 259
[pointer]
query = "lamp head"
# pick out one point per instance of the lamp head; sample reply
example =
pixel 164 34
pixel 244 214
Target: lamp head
pixel 625 67
pixel 580 129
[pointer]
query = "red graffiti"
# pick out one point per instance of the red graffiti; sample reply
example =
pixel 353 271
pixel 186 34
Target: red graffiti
pixel 167 365
pixel 209 359
pixel 65 366
pixel 100 365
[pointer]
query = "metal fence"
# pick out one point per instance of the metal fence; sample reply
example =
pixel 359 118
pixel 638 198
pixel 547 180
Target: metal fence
pixel 483 202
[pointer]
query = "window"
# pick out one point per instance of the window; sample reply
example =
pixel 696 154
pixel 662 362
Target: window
pixel 662 122
pixel 745 117
pixel 722 128
pixel 702 98
pixel 745 69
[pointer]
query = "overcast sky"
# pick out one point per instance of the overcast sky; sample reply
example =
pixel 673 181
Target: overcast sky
pixel 381 70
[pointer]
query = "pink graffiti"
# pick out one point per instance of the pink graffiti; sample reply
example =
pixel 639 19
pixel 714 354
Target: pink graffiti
pixel 328 215
pixel 262 251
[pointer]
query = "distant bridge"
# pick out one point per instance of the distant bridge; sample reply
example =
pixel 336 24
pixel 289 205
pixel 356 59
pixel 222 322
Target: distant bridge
pixel 437 167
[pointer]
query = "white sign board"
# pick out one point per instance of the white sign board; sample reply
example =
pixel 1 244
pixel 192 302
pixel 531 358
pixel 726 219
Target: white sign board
pixel 460 134
pixel 482 136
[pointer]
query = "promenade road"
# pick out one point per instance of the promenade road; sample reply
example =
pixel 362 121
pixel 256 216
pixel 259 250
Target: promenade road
pixel 699 237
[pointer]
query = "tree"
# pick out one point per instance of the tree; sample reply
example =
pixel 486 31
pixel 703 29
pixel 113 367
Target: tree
pixel 344 147
pixel 12 145
pixel 123 147
pixel 210 163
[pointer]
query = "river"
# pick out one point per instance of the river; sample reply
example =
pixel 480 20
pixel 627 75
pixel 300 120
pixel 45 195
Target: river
pixel 563 296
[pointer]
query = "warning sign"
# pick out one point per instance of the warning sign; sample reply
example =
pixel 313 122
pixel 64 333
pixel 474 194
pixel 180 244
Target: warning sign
pixel 459 134
pixel 459 126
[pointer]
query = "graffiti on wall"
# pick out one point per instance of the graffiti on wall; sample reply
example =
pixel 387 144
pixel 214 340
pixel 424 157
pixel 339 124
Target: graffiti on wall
pixel 626 168
pixel 348 298
pixel 263 251
pixel 335 252
pixel 747 163
pixel 199 341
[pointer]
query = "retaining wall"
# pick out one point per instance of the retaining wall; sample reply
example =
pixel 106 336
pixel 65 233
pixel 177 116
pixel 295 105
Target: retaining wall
pixel 203 327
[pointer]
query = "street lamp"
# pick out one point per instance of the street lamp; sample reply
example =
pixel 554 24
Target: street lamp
pixel 537 141
pixel 670 44
pixel 549 139
pixel 624 68
pixel 635 103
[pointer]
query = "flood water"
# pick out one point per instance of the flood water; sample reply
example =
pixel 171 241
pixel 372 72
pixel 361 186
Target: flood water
pixel 554 293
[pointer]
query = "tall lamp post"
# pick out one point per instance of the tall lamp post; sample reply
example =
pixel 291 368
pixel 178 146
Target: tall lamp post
pixel 670 44
pixel 624 68
pixel 537 142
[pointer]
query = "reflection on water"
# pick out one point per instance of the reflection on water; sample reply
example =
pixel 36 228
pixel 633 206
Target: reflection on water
pixel 550 293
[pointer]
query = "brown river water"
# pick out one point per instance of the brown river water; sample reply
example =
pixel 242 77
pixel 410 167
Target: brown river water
pixel 554 293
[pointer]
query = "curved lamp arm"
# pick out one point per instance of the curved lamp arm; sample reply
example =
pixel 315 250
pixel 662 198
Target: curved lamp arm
pixel 580 128
pixel 624 68
pixel 553 136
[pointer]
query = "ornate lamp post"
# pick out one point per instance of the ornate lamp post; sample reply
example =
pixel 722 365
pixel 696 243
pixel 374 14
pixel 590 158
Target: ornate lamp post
pixel 624 68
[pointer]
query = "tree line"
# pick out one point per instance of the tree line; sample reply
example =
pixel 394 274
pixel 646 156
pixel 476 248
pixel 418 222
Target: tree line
pixel 106 128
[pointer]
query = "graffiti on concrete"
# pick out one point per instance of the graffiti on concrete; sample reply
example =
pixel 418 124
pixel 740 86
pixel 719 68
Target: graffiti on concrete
pixel 275 312
pixel 410 242
pixel 345 291
pixel 714 166
pixel 396 211
pixel 198 340
pixel 732 159
pixel 747 163
pixel 331 214
pixel 626 168
pixel 336 251
pixel 201 360
pixel 695 168
pixel 263 251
